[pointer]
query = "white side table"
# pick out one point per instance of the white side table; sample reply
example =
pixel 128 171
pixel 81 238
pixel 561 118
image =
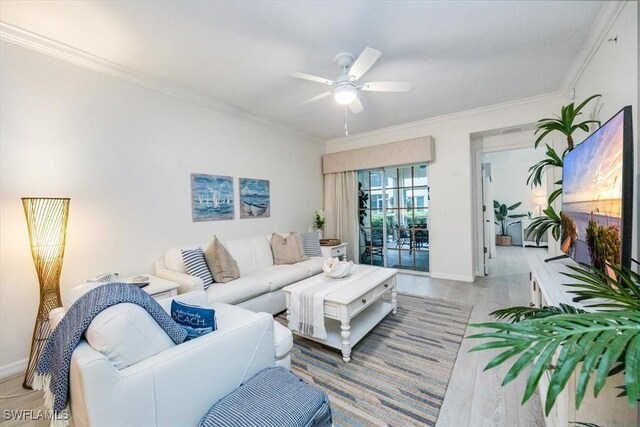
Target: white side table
pixel 337 251
pixel 525 223
pixel 158 288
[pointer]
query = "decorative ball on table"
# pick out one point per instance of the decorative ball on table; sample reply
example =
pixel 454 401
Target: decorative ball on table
pixel 335 268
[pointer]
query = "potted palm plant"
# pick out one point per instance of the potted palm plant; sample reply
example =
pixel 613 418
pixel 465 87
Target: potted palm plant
pixel 502 216
pixel 598 343
pixel 566 124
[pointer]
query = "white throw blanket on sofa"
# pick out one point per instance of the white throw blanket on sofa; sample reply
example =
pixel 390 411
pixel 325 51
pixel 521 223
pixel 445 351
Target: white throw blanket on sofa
pixel 307 301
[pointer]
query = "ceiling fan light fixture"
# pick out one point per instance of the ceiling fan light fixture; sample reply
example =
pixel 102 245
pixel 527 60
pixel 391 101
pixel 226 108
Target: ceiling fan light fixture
pixel 345 94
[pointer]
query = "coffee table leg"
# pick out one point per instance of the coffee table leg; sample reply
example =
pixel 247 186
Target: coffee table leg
pixel 346 347
pixel 394 300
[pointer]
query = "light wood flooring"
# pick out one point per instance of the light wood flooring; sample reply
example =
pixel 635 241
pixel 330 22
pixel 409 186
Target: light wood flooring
pixel 473 398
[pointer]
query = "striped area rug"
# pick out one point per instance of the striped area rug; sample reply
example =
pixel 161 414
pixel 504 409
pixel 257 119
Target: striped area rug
pixel 398 373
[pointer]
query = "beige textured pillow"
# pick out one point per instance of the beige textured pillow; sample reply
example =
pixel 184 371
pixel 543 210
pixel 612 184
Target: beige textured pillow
pixel 222 265
pixel 287 250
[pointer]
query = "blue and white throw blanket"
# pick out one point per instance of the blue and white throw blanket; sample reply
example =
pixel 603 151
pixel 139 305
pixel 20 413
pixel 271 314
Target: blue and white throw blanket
pixel 52 372
pixel 274 397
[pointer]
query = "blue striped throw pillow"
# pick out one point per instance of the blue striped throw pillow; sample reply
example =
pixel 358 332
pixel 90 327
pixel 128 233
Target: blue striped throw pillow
pixel 196 265
pixel 311 243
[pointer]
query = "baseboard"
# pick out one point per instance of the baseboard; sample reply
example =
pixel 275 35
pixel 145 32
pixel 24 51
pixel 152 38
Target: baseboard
pixel 11 369
pixel 457 277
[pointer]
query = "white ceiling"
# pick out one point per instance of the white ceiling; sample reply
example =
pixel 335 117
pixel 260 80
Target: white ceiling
pixel 458 54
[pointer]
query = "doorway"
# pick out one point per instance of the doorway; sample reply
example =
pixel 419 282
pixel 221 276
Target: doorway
pixel 501 159
pixel 394 217
pixel 504 183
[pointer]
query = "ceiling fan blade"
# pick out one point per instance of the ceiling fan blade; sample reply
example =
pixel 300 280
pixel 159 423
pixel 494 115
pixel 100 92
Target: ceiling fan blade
pixel 387 86
pixel 356 106
pixel 315 98
pixel 367 58
pixel 309 77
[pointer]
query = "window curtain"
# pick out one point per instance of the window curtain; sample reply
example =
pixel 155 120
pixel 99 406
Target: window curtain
pixel 341 209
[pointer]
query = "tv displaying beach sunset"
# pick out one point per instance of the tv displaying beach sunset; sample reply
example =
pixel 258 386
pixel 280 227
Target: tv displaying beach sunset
pixel 592 196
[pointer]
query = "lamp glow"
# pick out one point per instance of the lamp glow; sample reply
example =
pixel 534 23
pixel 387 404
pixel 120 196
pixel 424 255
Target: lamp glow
pixel 345 94
pixel 47 225
pixel 540 201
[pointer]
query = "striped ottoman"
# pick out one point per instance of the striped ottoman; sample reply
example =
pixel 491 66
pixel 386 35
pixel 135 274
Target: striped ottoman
pixel 274 397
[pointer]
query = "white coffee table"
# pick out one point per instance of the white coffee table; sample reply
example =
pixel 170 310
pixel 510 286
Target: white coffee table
pixel 351 311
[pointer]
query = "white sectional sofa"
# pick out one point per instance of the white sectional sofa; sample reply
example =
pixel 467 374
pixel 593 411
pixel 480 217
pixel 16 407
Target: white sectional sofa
pixel 259 286
pixel 128 372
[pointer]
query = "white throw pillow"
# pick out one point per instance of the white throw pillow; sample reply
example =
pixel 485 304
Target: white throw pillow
pixel 126 334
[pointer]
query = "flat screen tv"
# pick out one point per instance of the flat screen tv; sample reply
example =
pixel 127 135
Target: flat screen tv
pixel 597 195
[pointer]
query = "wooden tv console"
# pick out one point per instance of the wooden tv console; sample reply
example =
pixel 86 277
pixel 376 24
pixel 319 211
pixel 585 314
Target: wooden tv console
pixel 545 288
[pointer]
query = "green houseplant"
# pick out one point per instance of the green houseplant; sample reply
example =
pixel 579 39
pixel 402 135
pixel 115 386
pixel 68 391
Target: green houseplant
pixel 566 124
pixel 593 344
pixel 502 216
pixel 319 219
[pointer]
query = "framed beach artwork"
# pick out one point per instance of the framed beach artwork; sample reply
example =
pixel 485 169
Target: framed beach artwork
pixel 211 197
pixel 255 198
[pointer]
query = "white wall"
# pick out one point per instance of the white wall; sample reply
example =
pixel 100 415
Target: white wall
pixel 613 72
pixel 124 154
pixel 450 176
pixel 509 173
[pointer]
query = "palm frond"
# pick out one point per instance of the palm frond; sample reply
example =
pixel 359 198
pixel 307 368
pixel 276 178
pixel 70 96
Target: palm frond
pixel 596 340
pixel 518 314
pixel 541 224
pixel 621 292
pixel 555 194
pixel 584 125
pixel 585 102
pixel 536 171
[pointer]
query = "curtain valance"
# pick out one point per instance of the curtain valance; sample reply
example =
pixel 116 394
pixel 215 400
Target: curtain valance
pixel 416 150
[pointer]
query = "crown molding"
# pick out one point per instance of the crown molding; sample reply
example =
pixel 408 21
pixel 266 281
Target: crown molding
pixel 33 41
pixel 445 117
pixel 604 21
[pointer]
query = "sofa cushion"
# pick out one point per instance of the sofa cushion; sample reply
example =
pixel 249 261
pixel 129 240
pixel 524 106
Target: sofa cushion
pixel 283 339
pixel 313 265
pixel 173 258
pixel 251 254
pixel 279 276
pixel 238 290
pixel 287 250
pixel 126 334
pixel 221 264
pixel 196 265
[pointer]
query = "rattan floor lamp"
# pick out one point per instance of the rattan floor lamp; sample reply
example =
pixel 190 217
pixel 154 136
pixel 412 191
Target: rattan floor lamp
pixel 47 224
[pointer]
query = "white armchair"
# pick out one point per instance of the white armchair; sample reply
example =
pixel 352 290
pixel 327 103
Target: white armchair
pixel 178 385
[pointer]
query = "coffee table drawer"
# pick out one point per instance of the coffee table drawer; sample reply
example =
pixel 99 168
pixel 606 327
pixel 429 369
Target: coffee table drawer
pixel 362 302
pixel 384 287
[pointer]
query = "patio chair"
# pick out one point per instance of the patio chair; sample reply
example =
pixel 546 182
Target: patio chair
pixel 373 245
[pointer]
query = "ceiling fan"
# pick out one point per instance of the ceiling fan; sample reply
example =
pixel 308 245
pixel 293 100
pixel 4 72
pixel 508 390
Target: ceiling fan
pixel 346 86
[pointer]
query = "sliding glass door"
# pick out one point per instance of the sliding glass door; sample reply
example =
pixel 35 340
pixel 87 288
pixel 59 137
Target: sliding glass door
pixel 394 217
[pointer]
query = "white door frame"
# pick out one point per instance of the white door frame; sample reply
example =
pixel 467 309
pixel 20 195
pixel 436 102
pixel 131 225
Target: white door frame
pixel 513 141
pixel 488 216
